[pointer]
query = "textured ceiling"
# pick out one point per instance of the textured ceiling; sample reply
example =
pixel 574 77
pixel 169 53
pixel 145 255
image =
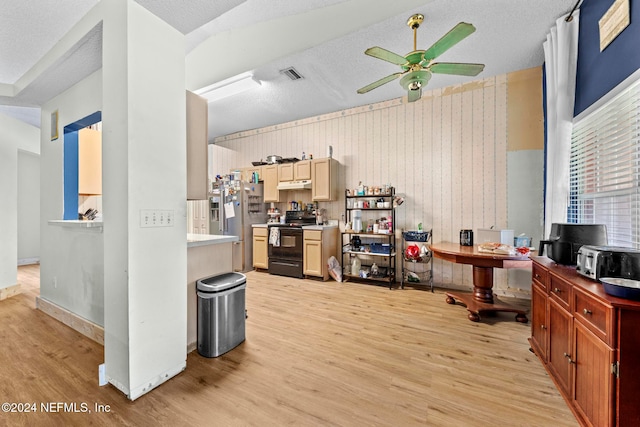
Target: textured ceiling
pixel 509 37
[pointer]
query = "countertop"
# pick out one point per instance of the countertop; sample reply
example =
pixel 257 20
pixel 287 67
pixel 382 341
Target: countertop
pixel 194 240
pixel 75 223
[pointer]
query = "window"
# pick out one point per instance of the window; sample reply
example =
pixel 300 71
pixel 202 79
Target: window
pixel 605 167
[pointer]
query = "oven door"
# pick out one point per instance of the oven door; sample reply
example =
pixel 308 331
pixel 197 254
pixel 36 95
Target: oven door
pixel 290 244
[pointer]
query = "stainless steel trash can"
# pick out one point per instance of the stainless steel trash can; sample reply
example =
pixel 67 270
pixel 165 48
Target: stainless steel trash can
pixel 221 313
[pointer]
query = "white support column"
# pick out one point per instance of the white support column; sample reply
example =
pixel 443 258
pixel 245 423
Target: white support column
pixel 144 168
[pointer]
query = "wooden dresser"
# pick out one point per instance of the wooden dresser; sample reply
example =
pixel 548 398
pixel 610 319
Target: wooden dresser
pixel 589 343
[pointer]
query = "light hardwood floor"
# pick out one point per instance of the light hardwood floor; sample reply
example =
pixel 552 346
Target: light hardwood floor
pixel 317 353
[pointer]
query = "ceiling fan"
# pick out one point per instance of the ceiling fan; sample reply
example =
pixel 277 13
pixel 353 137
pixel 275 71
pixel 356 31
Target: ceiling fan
pixel 417 66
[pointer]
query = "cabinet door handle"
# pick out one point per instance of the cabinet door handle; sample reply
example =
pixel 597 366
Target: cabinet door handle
pixel 568 356
pixel 543 327
pixel 556 290
pixel 586 311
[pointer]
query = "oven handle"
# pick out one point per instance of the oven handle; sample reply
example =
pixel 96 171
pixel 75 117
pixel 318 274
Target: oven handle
pixel 288 264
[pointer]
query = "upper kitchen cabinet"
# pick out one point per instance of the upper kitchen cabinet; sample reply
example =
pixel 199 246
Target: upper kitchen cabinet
pixel 270 180
pixel 324 179
pixel 89 162
pixel 297 171
pixel 197 134
pixel 302 170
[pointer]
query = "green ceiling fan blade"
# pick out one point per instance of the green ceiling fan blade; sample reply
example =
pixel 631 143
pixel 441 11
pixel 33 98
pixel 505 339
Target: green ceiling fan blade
pixel 380 82
pixel 446 42
pixel 461 69
pixel 386 55
pixel 414 95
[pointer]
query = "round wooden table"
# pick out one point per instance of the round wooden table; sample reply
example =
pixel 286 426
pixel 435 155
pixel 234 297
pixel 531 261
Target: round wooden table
pixel 482 298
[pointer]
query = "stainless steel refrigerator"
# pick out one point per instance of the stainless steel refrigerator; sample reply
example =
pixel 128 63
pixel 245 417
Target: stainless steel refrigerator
pixel 240 205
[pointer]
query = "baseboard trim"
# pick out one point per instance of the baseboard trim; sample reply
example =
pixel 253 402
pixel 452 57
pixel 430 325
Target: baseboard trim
pixel 10 291
pixel 72 320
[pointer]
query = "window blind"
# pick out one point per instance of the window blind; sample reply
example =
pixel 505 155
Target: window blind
pixel 605 167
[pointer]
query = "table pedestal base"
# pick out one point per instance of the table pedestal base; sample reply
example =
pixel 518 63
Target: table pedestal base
pixel 475 307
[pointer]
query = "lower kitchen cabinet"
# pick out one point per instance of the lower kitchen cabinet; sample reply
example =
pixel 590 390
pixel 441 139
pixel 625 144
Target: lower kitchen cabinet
pixel 318 246
pixel 539 322
pixel 588 342
pixel 260 247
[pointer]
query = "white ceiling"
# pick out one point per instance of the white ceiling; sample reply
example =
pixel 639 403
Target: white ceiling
pixel 509 37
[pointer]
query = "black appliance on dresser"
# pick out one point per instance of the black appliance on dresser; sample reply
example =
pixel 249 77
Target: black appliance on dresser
pixel 565 240
pixel 286 244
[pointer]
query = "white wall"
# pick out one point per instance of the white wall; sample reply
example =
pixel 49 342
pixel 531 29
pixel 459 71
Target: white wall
pixel 71 259
pixel 28 207
pixel 447 154
pixel 15 135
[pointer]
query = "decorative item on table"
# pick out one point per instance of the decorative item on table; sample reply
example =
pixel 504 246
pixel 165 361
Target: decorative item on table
pixel 488 235
pixel 466 237
pixel 502 249
pixel 522 241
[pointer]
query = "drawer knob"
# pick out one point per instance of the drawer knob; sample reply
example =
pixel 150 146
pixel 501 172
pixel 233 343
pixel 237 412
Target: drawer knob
pixel 568 356
pixel 543 327
pixel 586 311
pixel 556 290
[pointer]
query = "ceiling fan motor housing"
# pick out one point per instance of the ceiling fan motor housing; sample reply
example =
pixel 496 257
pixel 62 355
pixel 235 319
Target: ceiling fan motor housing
pixel 414 80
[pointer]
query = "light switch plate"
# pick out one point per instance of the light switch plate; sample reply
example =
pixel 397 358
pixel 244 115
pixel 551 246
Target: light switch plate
pixel 156 218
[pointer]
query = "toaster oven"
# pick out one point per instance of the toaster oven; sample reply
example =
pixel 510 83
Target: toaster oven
pixel 596 262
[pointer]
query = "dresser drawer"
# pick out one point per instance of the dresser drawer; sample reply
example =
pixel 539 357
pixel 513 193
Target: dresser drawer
pixel 560 290
pixel 540 275
pixel 596 315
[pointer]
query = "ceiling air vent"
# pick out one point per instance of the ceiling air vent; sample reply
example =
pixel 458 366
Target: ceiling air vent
pixel 291 73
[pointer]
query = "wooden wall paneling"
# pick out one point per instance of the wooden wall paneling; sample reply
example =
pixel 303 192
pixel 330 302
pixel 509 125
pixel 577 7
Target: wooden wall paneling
pixel 456 175
pixel 394 146
pixel 384 147
pixel 400 180
pixel 447 166
pixel 375 158
pixel 477 187
pixel 427 162
pixel 419 171
pixel 502 279
pixel 488 138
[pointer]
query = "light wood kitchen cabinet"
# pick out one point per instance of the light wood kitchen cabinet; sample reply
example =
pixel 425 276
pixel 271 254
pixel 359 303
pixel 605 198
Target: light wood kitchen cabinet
pixel 302 170
pixel 197 153
pixel 270 180
pixel 247 173
pixel 297 171
pixel 318 246
pixel 89 162
pixel 324 179
pixel 285 172
pixel 593 352
pixel 260 247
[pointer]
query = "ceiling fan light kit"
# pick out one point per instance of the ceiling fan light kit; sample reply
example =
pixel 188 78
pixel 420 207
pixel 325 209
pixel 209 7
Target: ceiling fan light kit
pixel 417 66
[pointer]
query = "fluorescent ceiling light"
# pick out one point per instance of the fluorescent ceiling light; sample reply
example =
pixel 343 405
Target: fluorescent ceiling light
pixel 229 87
